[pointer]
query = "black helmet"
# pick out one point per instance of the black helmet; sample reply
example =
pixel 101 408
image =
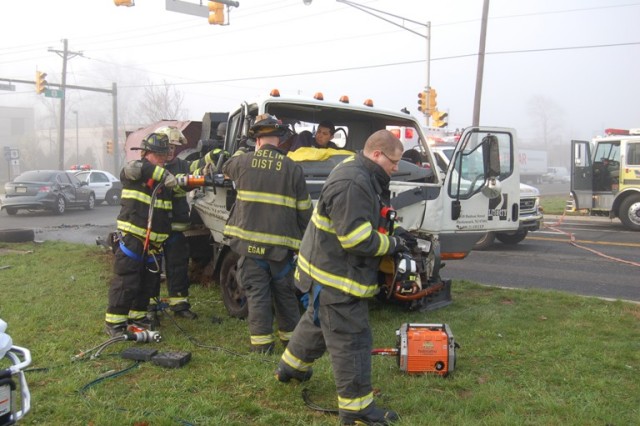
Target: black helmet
pixel 268 125
pixel 155 142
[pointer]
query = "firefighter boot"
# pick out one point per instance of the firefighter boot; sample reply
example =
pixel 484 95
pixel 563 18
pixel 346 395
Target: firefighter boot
pixel 183 310
pixel 263 349
pixel 284 373
pixel 116 329
pixel 152 319
pixel 371 415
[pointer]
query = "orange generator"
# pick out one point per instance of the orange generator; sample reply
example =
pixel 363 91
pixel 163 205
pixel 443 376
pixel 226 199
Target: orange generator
pixel 424 348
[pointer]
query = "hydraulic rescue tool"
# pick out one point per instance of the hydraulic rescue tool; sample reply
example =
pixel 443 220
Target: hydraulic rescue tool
pixel 20 359
pixel 406 275
pixel 423 348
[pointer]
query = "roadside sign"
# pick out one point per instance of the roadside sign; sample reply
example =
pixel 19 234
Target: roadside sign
pixel 10 87
pixel 53 93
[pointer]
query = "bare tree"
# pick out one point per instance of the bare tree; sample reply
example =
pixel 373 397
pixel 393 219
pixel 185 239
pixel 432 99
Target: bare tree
pixel 546 115
pixel 547 118
pixel 161 102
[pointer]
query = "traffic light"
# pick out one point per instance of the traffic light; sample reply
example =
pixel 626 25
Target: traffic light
pixel 41 83
pixel 109 147
pixel 216 13
pixel 423 101
pixel 127 3
pixel 433 103
pixel 439 119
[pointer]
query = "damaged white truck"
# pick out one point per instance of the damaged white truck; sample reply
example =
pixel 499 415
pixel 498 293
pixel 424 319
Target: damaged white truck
pixel 448 212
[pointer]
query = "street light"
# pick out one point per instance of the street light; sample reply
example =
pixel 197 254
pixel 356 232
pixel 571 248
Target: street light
pixel 77 155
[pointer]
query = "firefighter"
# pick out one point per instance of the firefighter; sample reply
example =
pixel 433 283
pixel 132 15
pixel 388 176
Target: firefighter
pixel 137 263
pixel 266 224
pixel 338 265
pixel 176 247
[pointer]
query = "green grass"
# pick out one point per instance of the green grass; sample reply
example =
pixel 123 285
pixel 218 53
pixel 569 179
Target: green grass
pixel 553 204
pixel 527 357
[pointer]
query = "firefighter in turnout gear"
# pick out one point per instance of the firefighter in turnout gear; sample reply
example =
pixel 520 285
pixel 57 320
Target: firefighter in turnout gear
pixel 137 257
pixel 266 224
pixel 338 266
pixel 176 247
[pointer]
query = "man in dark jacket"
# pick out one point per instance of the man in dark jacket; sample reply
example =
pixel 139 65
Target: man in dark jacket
pixel 338 265
pixel 137 264
pixel 266 224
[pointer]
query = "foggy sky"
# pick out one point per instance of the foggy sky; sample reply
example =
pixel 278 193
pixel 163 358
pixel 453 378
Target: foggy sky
pixel 580 55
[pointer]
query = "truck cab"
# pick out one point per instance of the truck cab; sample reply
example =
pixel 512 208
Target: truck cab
pixel 605 176
pixel 530 218
pixel 447 211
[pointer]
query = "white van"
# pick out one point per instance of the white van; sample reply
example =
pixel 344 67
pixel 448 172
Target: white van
pixel 556 174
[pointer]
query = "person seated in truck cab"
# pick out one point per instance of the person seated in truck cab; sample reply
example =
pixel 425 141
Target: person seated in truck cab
pixel 324 134
pixel 322 138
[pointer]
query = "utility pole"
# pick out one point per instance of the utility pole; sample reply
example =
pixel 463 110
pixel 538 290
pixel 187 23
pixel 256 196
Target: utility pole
pixel 65 54
pixel 480 72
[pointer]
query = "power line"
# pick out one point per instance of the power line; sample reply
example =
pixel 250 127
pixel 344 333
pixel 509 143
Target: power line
pixel 391 64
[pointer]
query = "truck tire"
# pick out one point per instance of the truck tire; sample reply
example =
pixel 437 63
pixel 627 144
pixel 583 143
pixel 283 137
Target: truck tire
pixel 18 235
pixel 485 242
pixel 630 212
pixel 511 239
pixel 233 295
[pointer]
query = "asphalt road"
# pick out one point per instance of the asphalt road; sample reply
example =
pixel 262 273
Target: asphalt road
pixel 581 255
pixel 76 225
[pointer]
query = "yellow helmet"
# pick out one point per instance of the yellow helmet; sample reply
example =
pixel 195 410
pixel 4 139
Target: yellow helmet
pixel 174 134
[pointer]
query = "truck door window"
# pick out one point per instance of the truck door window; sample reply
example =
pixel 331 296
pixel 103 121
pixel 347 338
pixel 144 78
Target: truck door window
pixel 633 154
pixel 472 164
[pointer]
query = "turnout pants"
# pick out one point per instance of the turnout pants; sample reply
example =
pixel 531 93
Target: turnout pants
pixel 133 284
pixel 338 323
pixel 176 257
pixel 269 284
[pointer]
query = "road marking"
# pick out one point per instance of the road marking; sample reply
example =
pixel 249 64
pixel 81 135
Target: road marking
pixel 566 240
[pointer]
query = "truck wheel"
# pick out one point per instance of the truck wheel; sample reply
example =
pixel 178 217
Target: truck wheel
pixel 511 239
pixel 630 212
pixel 485 242
pixel 232 292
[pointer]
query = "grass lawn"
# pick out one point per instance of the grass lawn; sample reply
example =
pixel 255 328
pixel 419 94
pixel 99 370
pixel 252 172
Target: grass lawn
pixel 527 357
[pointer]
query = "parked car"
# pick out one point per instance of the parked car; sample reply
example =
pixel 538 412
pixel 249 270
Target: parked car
pixel 54 190
pixel 556 174
pixel 106 186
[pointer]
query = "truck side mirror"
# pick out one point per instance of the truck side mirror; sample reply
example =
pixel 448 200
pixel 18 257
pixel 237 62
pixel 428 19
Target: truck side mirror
pixel 491 152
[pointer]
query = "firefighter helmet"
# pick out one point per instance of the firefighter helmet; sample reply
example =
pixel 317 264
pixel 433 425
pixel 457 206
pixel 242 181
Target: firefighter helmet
pixel 174 134
pixel 155 142
pixel 268 125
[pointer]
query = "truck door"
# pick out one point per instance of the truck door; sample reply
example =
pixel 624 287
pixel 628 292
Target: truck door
pixel 481 189
pixel 582 174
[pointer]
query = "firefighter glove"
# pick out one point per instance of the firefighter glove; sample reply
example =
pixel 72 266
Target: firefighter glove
pixel 400 246
pixel 409 238
pixel 169 180
pixel 133 170
pixel 208 169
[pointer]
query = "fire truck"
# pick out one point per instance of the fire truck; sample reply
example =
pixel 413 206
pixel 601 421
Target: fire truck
pixel 448 212
pixel 605 176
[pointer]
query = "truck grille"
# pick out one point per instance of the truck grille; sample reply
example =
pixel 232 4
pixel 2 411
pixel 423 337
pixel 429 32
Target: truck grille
pixel 527 206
